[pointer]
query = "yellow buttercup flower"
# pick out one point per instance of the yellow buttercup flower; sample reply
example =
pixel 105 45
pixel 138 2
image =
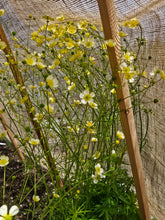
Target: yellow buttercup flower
pixel 72 86
pixel 133 23
pixel 2 134
pixel 120 135
pixel 41 65
pixel 41 83
pixel 79 54
pixel 31 60
pixel 12 101
pixel 82 24
pixel 162 74
pixel 89 124
pixel 52 100
pixel 49 109
pixel 2 45
pixel 36 198
pixel 24 99
pixel 78 191
pixel 110 43
pixel 69 45
pixel 2 11
pixel 85 147
pixel 77 102
pixel 38 117
pixel 126 23
pixel 104 46
pixel 48 18
pixel 89 42
pixel 71 29
pixel 52 82
pixel 34 141
pixel 96 155
pixel 60 18
pixel 94 139
pixel 93 105
pixel 55 63
pixel 113 91
pixel 55 195
pixel 122 34
pixel 32 87
pixel 144 74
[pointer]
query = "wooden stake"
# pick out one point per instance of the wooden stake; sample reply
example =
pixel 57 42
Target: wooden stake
pixel 11 136
pixel 110 27
pixel 28 104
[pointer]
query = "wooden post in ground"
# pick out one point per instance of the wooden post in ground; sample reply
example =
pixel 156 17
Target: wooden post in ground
pixel 110 27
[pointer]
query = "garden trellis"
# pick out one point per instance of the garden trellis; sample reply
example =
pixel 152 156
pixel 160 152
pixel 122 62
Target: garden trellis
pixel 150 14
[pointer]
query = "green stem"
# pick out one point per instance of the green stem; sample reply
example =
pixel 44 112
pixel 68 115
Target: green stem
pixel 4 183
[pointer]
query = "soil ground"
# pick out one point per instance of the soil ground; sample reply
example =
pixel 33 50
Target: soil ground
pixel 15 177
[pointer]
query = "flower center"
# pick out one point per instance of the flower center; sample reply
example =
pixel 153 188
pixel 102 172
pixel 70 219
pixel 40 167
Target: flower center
pixel 3 162
pixel 7 216
pixel 87 97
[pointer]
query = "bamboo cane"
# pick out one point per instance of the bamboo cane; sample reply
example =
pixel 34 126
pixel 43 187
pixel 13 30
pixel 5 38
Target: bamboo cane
pixel 107 12
pixel 28 104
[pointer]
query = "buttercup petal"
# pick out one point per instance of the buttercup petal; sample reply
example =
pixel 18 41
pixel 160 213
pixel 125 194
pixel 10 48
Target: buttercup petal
pixel 14 210
pixel 3 210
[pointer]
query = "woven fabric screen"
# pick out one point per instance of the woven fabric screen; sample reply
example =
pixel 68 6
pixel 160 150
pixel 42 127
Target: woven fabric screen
pixel 151 14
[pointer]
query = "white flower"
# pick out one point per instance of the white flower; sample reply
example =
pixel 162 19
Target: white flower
pixel 113 152
pixel 38 117
pixel 55 195
pixel 110 43
pixel 96 155
pixel 98 173
pixel 34 141
pixel 71 87
pixel 95 178
pixel 86 97
pixel 49 109
pixel 4 161
pixel 36 198
pixel 89 42
pixel 52 82
pixel 113 91
pixel 123 65
pixel 131 80
pixel 120 135
pixel 94 139
pixel 4 215
pixel 93 105
pixel 98 169
pixel 152 74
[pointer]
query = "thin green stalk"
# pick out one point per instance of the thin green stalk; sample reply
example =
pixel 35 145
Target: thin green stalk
pixel 4 184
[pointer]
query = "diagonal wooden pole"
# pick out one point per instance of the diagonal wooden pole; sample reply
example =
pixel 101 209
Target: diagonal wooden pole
pixel 11 136
pixel 28 104
pixel 108 17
